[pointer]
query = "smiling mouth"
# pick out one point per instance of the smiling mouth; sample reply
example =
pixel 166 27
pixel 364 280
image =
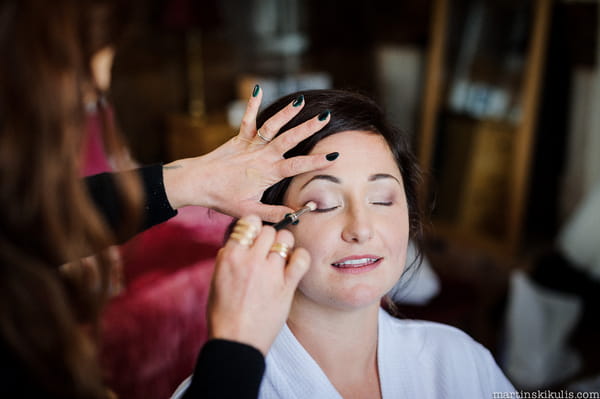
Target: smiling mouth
pixel 352 263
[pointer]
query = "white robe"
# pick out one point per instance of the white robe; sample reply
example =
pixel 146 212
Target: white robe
pixel 416 359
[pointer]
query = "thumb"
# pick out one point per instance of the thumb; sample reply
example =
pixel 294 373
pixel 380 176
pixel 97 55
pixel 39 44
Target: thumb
pixel 270 213
pixel 297 267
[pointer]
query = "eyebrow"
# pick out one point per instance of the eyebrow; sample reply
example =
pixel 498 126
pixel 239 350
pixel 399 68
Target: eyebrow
pixel 333 179
pixel 380 176
pixel 330 178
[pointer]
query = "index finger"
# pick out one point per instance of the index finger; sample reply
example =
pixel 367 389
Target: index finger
pixel 248 125
pixel 271 213
pixel 248 228
pixel 289 139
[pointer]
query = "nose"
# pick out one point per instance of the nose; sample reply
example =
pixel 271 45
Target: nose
pixel 358 226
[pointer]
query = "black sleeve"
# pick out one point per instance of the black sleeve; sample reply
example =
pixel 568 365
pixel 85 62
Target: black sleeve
pixel 227 369
pixel 157 209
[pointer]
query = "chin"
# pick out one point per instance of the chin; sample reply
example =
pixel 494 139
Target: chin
pixel 359 297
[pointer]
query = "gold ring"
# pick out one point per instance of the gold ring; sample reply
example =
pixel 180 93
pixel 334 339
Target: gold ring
pixel 242 239
pixel 263 138
pixel 244 233
pixel 280 249
pixel 243 225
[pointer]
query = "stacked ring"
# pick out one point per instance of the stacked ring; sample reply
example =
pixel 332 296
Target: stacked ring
pixel 244 233
pixel 280 249
pixel 263 138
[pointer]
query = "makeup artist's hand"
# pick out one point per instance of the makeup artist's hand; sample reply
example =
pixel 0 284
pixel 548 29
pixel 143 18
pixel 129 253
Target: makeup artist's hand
pixel 253 284
pixel 232 178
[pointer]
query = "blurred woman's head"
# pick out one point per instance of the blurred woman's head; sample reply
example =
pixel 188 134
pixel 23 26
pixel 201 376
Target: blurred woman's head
pixel 366 202
pixel 46 216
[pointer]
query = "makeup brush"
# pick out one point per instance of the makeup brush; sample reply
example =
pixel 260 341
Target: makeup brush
pixel 292 218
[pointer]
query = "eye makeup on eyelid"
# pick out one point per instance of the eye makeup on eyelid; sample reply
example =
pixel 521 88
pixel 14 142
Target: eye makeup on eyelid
pixel 328 197
pixel 324 206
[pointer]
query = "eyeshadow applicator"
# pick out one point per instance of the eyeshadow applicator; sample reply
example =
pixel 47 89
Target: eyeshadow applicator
pixel 293 218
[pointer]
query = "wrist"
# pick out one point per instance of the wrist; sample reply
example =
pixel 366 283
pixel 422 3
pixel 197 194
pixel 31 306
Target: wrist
pixel 172 180
pixel 177 183
pixel 187 182
pixel 254 342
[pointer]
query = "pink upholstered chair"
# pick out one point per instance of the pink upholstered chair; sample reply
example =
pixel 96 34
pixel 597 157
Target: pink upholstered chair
pixel 152 330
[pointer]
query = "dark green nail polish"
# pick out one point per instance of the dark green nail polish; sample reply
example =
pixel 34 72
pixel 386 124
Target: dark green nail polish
pixel 324 115
pixel 332 156
pixel 255 91
pixel 298 101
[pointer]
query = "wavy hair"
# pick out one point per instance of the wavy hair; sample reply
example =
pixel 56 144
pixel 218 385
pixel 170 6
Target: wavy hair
pixel 46 215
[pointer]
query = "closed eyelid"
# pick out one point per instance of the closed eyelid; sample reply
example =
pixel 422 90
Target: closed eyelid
pixel 327 202
pixel 326 209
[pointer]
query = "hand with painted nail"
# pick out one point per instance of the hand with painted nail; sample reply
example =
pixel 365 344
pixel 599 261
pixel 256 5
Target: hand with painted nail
pixel 232 178
pixel 256 275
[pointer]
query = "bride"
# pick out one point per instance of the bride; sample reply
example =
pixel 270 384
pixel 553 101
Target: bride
pixel 338 342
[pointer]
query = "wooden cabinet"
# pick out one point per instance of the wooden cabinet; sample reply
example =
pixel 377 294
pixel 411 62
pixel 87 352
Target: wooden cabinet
pixel 484 70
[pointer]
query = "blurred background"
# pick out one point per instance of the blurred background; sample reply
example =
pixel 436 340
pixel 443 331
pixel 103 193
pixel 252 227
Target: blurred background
pixel 502 101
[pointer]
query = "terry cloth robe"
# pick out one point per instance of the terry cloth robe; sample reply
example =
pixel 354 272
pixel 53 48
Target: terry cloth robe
pixel 416 359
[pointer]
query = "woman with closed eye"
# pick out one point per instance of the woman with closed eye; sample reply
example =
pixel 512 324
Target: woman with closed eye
pixel 57 57
pixel 338 342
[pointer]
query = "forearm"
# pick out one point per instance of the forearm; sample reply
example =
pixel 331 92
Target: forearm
pixel 104 192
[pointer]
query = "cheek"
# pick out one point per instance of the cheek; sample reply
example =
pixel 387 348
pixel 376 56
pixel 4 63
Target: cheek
pixel 396 236
pixel 320 242
pixel 310 237
pixel 315 243
pixel 397 232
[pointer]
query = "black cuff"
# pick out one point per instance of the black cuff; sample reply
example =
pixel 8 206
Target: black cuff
pixel 104 192
pixel 227 369
pixel 157 208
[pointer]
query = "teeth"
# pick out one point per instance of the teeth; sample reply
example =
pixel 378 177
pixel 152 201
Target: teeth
pixel 356 262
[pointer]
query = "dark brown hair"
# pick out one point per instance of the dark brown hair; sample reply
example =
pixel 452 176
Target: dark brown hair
pixel 46 216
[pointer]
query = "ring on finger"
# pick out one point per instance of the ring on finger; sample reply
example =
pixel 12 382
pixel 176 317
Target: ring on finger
pixel 280 249
pixel 242 224
pixel 244 233
pixel 246 229
pixel 242 239
pixel 263 138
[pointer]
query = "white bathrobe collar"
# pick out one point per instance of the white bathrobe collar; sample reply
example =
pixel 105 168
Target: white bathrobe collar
pixel 309 379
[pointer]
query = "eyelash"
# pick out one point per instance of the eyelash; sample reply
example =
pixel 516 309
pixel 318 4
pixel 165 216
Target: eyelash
pixel 323 210
pixel 388 203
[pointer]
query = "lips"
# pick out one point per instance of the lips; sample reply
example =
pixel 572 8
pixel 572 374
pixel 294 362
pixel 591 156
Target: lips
pixel 352 262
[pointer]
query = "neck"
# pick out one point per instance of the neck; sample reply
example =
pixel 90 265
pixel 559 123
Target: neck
pixel 342 342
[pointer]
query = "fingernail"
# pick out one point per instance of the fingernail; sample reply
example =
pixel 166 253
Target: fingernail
pixel 298 101
pixel 332 156
pixel 255 91
pixel 324 115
